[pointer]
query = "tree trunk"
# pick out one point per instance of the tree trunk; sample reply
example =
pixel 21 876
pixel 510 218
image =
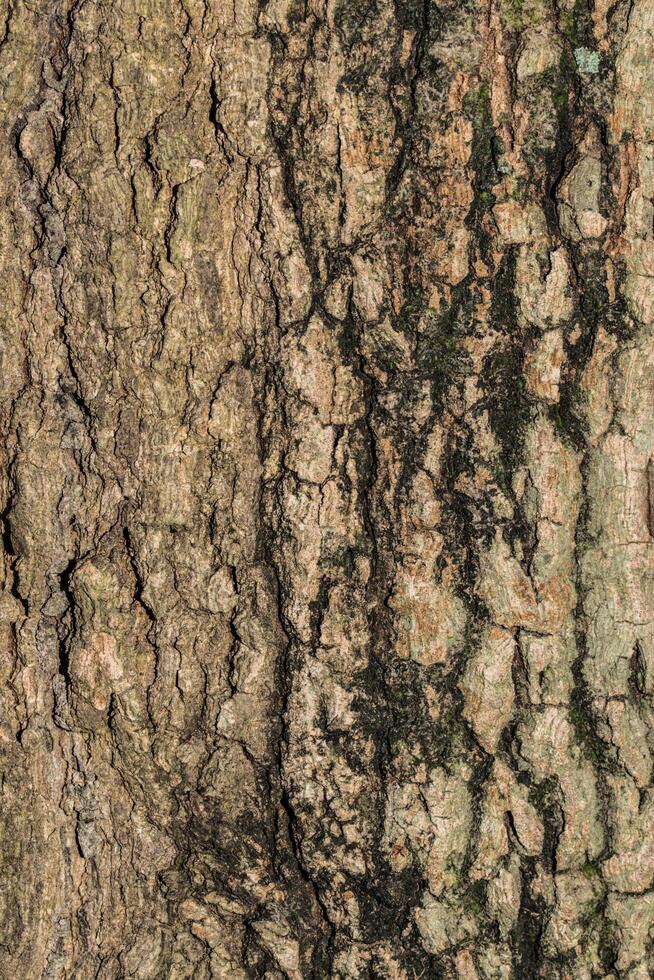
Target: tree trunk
pixel 326 487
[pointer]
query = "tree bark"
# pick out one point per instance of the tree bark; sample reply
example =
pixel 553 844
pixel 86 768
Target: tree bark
pixel 327 489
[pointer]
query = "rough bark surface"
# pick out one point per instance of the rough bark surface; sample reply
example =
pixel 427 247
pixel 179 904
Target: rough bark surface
pixel 327 491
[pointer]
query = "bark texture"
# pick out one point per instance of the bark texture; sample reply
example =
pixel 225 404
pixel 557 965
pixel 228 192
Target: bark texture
pixel 327 492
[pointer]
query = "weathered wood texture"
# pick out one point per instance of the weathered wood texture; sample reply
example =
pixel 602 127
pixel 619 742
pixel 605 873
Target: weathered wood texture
pixel 327 377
